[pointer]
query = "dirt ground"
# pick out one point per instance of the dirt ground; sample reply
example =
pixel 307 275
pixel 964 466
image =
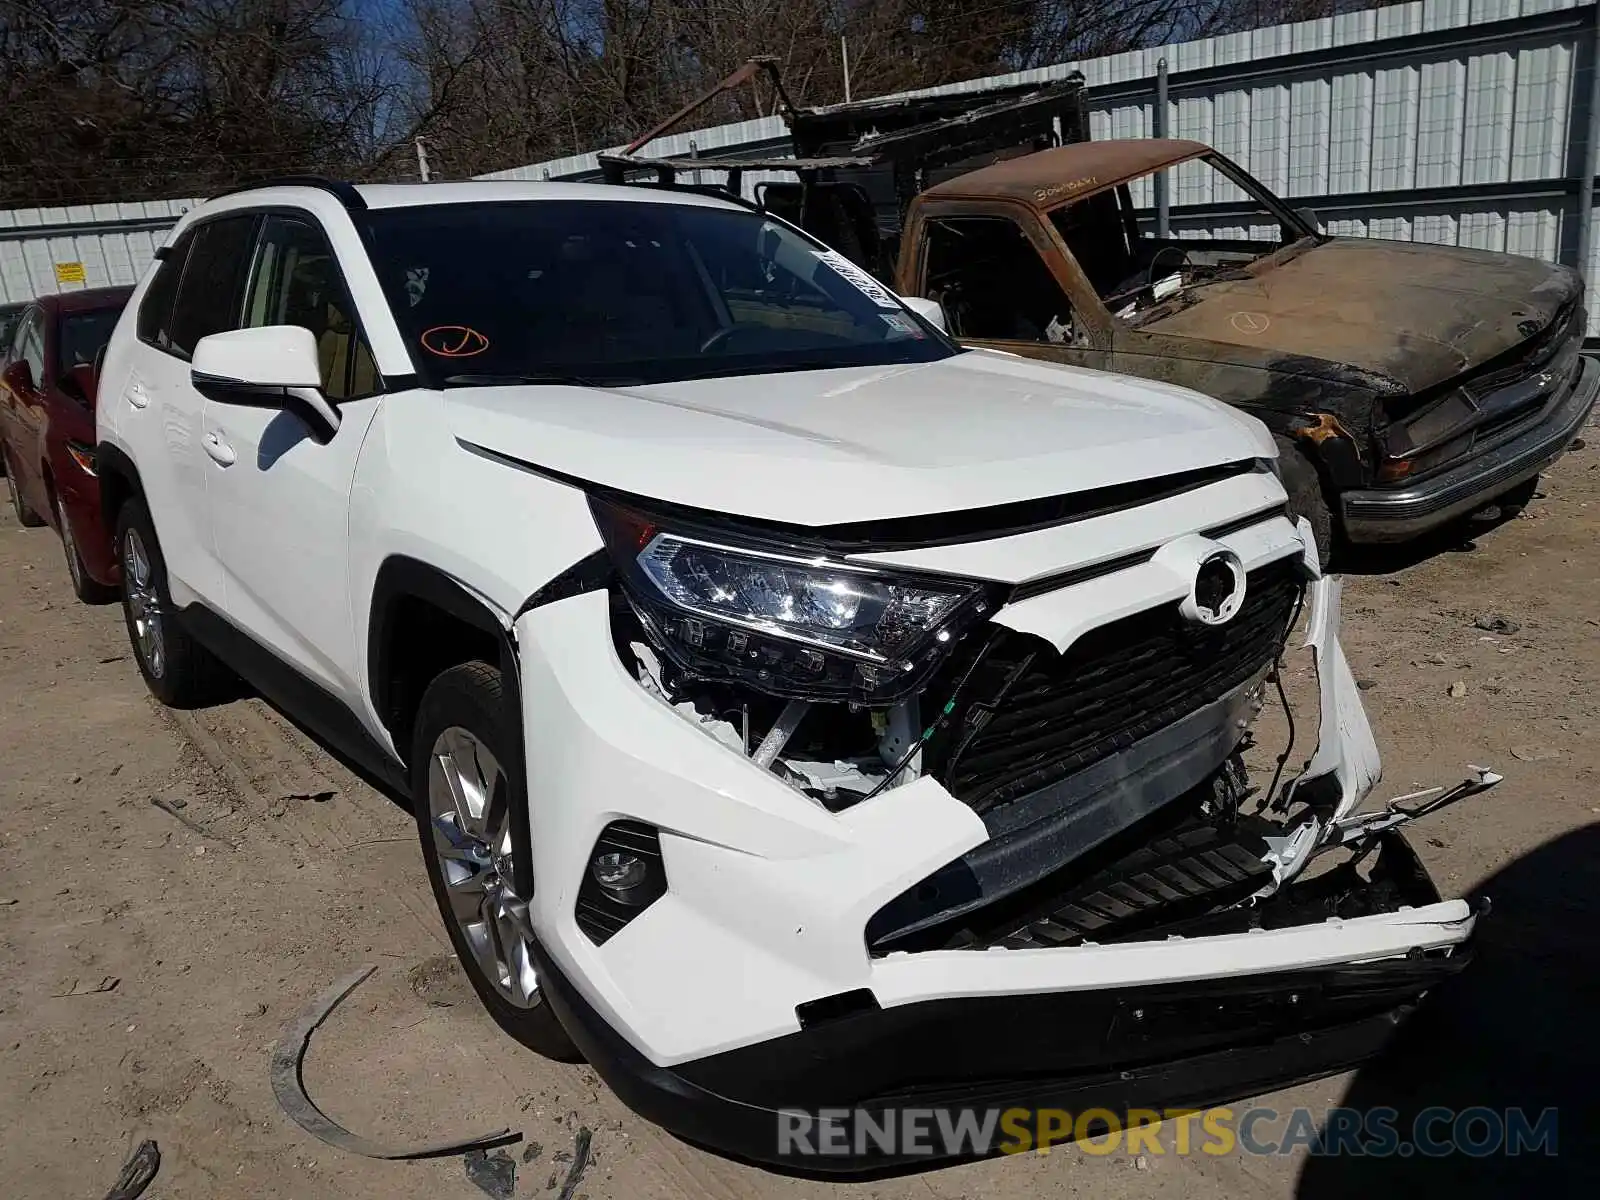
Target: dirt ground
pixel 150 953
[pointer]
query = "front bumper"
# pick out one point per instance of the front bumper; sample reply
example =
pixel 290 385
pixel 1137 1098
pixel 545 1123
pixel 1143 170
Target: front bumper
pixel 748 987
pixel 1398 514
pixel 801 1102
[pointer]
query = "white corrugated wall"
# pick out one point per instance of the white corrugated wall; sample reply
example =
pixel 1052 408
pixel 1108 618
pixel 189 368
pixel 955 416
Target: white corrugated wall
pixel 112 242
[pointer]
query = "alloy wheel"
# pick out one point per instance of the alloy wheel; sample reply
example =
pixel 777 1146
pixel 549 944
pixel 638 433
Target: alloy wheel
pixel 469 812
pixel 144 604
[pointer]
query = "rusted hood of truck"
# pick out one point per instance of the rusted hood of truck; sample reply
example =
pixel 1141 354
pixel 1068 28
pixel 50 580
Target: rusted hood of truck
pixel 1415 315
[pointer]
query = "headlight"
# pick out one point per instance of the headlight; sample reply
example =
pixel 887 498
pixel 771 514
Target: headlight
pixel 782 619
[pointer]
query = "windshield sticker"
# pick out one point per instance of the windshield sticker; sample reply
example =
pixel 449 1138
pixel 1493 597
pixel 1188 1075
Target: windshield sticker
pixel 902 324
pixel 453 341
pixel 859 279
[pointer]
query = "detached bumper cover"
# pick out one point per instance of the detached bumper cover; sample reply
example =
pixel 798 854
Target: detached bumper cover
pixel 1184 1045
pixel 1390 515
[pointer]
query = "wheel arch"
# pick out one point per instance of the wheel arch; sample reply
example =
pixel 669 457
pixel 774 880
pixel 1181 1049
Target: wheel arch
pixel 423 621
pixel 119 481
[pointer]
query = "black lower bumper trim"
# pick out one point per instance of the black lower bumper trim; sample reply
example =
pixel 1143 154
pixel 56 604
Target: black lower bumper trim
pixel 1183 1045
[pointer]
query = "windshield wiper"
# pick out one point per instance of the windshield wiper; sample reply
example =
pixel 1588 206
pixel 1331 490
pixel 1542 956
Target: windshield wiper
pixel 470 380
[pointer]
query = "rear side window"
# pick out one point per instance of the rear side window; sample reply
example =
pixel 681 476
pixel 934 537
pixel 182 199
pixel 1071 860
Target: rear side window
pixel 82 336
pixel 155 311
pixel 212 289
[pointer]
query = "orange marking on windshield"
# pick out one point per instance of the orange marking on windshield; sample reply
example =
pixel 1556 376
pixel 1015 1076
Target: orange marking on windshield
pixel 453 341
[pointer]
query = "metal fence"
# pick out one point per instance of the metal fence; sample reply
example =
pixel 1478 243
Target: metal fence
pixel 1468 122
pixel 44 250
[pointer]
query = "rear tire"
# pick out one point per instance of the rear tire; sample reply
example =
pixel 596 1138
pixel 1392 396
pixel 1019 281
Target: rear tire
pixel 460 795
pixel 84 586
pixel 1306 497
pixel 179 671
pixel 25 515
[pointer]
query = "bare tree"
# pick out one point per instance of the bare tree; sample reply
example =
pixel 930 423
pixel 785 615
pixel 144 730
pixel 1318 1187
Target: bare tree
pixel 120 99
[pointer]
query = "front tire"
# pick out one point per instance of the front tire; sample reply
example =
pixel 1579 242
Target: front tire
pixel 462 800
pixel 1306 497
pixel 179 671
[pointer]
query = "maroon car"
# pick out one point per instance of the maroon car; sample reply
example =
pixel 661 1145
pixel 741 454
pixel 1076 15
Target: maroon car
pixel 47 387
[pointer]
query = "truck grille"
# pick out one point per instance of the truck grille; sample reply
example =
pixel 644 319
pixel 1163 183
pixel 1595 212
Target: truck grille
pixel 1057 713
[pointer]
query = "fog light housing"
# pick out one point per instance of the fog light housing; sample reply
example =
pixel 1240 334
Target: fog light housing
pixel 625 875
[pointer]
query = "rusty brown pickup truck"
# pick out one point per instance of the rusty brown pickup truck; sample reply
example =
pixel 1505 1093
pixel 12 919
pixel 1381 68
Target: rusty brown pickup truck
pixel 1409 384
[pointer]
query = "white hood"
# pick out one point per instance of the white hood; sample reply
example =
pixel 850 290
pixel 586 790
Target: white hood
pixel 862 443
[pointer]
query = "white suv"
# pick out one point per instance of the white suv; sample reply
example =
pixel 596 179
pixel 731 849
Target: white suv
pixel 799 711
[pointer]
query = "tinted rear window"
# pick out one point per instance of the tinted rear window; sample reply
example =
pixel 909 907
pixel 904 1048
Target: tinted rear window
pixel 155 310
pixel 212 291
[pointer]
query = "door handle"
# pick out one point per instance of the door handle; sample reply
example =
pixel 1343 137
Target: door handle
pixel 218 449
pixel 137 396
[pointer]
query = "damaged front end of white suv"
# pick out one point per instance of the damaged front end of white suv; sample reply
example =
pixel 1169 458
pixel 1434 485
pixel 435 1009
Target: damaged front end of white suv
pixel 951 813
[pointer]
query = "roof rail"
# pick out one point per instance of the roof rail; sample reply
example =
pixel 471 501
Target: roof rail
pixel 344 192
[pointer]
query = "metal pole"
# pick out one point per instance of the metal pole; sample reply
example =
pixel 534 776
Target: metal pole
pixel 422 161
pixel 1591 127
pixel 1160 124
pixel 844 56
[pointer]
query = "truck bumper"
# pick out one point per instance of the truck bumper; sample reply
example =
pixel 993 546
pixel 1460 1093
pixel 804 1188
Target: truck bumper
pixel 1399 514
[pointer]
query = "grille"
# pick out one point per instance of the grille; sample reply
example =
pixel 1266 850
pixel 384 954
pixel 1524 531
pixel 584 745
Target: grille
pixel 1498 399
pixel 1197 866
pixel 1531 356
pixel 1058 713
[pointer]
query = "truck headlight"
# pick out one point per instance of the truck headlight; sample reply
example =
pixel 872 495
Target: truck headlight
pixel 785 619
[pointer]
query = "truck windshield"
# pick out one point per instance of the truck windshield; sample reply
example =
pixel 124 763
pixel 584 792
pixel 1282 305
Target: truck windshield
pixel 618 291
pixel 1142 274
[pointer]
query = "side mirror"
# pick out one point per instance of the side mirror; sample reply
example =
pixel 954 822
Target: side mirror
pixel 275 366
pixel 930 311
pixel 81 381
pixel 1309 216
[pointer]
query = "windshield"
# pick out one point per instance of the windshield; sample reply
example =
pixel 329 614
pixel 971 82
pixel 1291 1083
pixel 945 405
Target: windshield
pixel 1142 275
pixel 83 336
pixel 616 292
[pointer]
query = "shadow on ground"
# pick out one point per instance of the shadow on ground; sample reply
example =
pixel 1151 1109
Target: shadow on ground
pixel 1519 1028
pixel 1459 537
